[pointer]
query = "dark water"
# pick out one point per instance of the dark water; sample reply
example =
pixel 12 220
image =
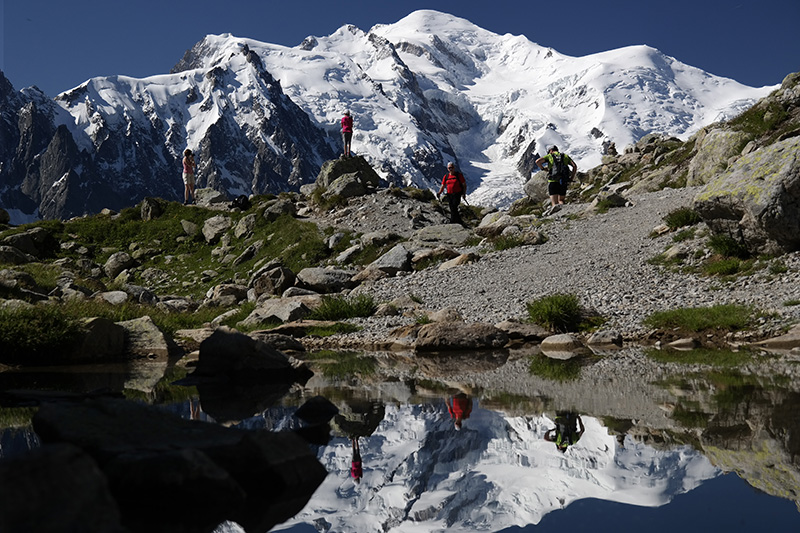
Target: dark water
pixel 723 456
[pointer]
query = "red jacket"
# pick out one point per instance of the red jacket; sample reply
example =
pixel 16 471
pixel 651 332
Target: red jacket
pixel 454 182
pixel 460 407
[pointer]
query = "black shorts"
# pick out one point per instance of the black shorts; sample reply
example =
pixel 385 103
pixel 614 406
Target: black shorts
pixel 347 136
pixel 555 188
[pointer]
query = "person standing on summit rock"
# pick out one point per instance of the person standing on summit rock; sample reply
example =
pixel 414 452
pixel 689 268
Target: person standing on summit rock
pixel 347 132
pixel 189 167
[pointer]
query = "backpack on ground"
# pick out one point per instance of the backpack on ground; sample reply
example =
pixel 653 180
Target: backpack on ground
pixel 242 202
pixel 559 170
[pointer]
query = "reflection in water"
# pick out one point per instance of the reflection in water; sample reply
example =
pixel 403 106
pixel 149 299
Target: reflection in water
pixel 499 472
pixel 402 458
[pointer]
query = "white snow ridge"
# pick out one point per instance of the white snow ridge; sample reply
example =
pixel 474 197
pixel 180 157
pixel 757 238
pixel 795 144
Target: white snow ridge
pixel 428 89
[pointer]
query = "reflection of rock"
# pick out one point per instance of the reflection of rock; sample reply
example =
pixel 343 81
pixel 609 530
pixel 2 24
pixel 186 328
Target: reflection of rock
pixel 231 402
pixel 564 346
pixel 182 475
pixel 438 364
pixel 358 418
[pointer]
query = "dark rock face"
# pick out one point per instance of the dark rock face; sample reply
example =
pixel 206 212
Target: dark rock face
pixel 132 154
pixel 114 465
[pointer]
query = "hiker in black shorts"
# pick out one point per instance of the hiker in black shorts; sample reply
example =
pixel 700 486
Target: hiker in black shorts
pixel 559 176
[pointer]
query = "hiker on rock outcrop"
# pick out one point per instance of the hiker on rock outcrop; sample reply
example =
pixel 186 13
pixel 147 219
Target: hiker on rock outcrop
pixel 559 176
pixel 455 186
pixel 189 167
pixel 347 132
pixel 459 407
pixel 569 429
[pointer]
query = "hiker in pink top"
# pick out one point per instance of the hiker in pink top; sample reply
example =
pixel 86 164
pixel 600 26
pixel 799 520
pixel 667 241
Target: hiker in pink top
pixel 189 167
pixel 347 132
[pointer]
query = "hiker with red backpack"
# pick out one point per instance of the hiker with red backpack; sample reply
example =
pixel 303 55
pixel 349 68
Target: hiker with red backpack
pixel 456 187
pixel 559 176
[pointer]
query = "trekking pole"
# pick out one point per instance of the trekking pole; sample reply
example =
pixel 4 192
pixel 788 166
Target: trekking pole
pixel 465 199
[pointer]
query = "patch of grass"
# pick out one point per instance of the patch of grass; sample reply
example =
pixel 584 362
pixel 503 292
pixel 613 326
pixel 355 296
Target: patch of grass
pixel 727 246
pixel 30 336
pixel 340 308
pixel 778 267
pixel 554 369
pixel 17 417
pixel 728 317
pixel 423 319
pixel 604 205
pixel 683 235
pixel 682 217
pixel 557 312
pixel 727 266
pixel 506 242
pixel 342 364
pixel 791 303
pixel 701 356
pixel 334 329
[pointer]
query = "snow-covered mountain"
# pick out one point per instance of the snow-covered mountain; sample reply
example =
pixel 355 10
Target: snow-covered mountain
pixel 427 89
pixel 421 476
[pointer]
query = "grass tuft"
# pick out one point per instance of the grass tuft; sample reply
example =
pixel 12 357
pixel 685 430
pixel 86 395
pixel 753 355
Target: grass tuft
pixel 719 317
pixel 341 308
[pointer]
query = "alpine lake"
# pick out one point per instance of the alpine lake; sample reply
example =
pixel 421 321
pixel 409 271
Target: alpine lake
pixel 712 447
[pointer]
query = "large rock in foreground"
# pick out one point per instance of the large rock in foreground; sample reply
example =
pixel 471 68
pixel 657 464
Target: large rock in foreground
pixel 757 203
pixel 166 473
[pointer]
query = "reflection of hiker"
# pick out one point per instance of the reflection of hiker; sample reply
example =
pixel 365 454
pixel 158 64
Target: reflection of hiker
pixel 559 175
pixel 456 187
pixel 188 176
pixel 567 432
pixel 347 132
pixel 356 469
pixel 459 407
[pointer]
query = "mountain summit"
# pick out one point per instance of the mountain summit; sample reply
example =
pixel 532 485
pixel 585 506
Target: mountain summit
pixel 428 89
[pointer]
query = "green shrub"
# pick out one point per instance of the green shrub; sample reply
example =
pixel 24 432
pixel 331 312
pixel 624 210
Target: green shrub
pixel 557 312
pixel 723 267
pixel 340 308
pixel 727 246
pixel 506 242
pixel 682 217
pixel 778 267
pixel 683 235
pixel 31 335
pixel 728 317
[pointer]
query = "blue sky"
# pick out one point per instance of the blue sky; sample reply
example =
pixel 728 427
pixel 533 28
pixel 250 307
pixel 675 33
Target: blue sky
pixel 58 44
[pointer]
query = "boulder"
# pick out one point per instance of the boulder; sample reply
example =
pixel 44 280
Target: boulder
pixel 563 346
pixel 278 208
pixel 226 353
pixel 441 336
pixel 215 227
pixel 713 152
pixel 325 280
pixel 346 186
pixel 5 218
pixel 226 295
pixel 398 259
pixel 333 169
pixel 144 339
pixel 118 262
pixel 272 280
pixel 276 310
pixel 151 209
pixel 757 202
pixel 12 256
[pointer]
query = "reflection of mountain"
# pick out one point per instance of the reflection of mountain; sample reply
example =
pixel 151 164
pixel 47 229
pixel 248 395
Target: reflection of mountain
pixel 422 475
